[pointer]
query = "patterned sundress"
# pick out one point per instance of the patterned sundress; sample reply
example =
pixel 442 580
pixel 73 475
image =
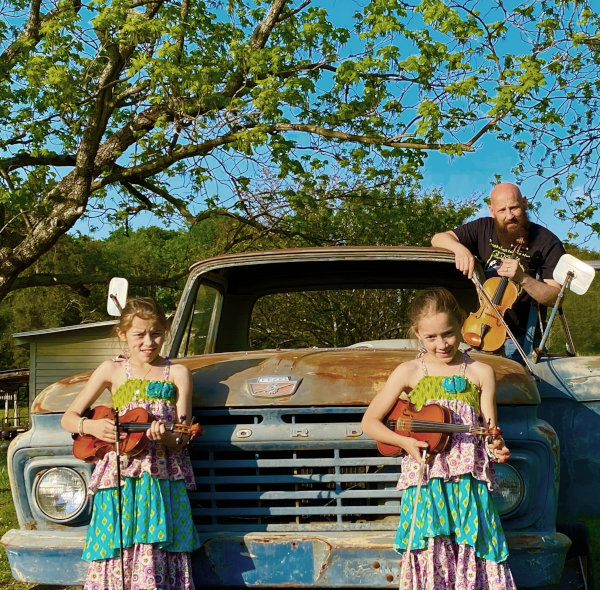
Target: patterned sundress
pixel 158 530
pixel 458 542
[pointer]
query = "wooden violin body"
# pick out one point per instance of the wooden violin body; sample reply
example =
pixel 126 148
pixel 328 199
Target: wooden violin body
pixel 483 329
pixel 134 423
pixel 431 424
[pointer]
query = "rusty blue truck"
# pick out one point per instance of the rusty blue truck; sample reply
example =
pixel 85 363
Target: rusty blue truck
pixel 287 348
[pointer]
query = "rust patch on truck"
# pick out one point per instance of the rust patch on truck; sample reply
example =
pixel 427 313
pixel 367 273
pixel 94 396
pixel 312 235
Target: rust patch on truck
pixel 353 377
pixel 546 431
pixel 536 543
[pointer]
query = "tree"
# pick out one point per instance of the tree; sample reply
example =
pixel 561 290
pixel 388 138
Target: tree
pixel 185 109
pixel 78 269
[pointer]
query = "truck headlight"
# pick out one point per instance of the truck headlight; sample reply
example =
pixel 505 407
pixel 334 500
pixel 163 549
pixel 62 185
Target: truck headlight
pixel 60 493
pixel 510 489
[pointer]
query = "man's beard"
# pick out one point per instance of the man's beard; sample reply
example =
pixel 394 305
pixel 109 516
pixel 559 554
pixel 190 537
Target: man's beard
pixel 508 237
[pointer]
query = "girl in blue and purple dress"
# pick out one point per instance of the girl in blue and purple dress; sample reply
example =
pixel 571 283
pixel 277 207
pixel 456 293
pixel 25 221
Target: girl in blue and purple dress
pixel 458 541
pixel 157 526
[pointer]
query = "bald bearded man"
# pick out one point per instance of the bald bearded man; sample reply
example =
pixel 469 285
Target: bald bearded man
pixel 493 238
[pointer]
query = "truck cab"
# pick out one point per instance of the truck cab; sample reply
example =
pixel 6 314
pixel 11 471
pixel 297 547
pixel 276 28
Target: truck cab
pixel 287 349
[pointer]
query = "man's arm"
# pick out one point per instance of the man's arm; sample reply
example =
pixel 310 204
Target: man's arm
pixel 544 292
pixel 465 261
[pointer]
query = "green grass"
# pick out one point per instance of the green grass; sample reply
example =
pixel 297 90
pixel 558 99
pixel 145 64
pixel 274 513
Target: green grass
pixel 8 520
pixel 593 526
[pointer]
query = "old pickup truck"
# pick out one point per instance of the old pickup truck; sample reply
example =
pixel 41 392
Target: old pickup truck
pixel 287 349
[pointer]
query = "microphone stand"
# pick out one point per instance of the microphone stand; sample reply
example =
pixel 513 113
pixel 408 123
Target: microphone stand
pixel 119 498
pixel 406 559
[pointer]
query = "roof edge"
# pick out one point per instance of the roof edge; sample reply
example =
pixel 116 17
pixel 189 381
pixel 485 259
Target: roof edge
pixel 329 251
pixel 25 335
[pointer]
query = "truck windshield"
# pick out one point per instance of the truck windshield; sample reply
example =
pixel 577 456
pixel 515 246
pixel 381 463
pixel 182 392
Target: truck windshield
pixel 329 319
pixel 197 337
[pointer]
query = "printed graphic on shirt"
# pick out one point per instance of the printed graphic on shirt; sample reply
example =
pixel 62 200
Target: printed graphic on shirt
pixel 494 262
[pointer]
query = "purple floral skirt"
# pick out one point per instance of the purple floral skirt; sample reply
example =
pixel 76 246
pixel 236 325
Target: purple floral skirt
pixel 447 565
pixel 146 568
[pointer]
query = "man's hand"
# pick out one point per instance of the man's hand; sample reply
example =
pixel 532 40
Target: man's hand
pixel 510 268
pixel 465 261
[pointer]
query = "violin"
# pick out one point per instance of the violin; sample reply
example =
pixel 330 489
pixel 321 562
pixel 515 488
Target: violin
pixel 483 329
pixel 134 423
pixel 431 424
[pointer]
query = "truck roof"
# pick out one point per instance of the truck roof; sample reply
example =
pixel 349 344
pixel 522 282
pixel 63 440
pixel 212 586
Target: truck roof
pixel 329 253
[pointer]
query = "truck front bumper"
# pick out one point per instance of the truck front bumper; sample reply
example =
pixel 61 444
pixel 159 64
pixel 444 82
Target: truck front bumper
pixel 359 558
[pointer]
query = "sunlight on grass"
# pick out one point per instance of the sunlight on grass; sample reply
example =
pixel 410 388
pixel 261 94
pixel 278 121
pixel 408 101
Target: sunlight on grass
pixel 8 520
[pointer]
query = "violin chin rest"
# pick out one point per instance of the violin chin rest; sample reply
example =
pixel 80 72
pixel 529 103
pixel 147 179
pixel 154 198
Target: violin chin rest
pixel 472 339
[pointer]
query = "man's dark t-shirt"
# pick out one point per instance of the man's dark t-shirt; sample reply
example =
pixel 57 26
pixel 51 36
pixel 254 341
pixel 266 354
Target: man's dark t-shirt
pixel 538 259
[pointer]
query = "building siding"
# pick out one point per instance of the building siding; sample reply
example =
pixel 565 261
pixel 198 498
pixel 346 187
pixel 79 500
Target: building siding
pixel 65 353
pixel 57 360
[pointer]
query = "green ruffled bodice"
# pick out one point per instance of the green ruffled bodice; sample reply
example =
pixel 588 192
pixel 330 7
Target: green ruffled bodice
pixel 144 390
pixel 430 388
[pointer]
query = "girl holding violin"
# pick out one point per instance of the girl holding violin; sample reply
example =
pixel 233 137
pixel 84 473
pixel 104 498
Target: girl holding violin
pixel 157 528
pixel 456 540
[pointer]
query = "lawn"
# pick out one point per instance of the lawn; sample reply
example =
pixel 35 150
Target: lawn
pixel 594 530
pixel 8 520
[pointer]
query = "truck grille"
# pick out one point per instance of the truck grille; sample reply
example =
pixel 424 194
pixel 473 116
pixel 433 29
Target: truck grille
pixel 291 485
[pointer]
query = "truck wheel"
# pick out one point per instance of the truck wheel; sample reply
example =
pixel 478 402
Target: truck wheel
pixel 581 547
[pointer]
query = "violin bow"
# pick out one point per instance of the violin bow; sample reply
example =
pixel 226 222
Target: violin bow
pixel 501 319
pixel 119 497
pixel 412 522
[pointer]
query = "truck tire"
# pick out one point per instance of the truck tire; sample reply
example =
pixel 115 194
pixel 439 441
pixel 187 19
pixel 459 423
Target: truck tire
pixel 581 547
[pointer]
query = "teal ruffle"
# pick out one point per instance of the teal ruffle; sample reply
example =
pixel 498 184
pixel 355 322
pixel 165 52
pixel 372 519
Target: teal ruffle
pixel 463 509
pixel 155 511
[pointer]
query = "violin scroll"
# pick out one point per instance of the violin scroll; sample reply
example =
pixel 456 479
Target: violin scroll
pixel 193 430
pixel 491 431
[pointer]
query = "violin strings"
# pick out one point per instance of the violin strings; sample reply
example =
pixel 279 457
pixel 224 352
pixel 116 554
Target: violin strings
pixel 405 424
pixel 419 425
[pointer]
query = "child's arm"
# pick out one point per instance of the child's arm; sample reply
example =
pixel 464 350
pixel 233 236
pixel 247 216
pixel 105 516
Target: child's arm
pixel 182 378
pixel 372 422
pixel 489 412
pixel 104 429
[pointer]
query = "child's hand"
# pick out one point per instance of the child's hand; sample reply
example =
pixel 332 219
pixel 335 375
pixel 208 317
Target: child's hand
pixel 156 430
pixel 415 448
pixel 499 449
pixel 104 429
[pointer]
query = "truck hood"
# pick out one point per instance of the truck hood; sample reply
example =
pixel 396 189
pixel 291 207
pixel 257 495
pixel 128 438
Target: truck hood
pixel 326 377
pixel 576 377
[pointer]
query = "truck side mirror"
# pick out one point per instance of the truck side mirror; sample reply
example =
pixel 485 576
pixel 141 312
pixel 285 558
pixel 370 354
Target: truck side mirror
pixel 580 274
pixel 117 296
pixel 573 274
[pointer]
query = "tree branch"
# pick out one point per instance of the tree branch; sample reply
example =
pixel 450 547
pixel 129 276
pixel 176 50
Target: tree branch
pixel 179 204
pixel 261 34
pixel 365 139
pixel 78 280
pixel 23 160
pixel 139 195
pixel 291 13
